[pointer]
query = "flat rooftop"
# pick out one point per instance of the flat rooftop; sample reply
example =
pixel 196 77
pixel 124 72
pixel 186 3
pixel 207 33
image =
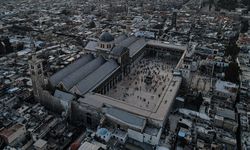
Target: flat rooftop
pixel 200 82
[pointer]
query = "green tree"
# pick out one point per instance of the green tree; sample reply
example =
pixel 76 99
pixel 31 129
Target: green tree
pixel 92 24
pixel 244 26
pixel 227 4
pixel 232 73
pixel 199 100
pixel 211 3
pixel 232 49
pixel 246 3
pixel 65 12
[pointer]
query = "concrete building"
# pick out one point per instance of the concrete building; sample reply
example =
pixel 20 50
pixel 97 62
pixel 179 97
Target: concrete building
pixel 226 90
pixel 40 144
pixel 227 119
pixel 12 134
pixel 92 146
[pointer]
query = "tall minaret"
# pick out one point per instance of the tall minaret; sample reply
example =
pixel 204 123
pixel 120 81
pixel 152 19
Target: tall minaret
pixel 36 73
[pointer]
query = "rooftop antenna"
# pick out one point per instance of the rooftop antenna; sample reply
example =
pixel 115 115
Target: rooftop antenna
pixel 127 7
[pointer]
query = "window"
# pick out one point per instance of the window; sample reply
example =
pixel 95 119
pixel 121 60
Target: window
pixel 39 72
pixel 109 46
pixel 39 66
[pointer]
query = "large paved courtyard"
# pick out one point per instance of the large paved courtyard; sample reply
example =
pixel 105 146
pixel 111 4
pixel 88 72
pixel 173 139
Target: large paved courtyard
pixel 145 84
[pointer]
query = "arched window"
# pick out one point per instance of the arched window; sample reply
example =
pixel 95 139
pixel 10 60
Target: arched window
pixel 39 66
pixel 39 72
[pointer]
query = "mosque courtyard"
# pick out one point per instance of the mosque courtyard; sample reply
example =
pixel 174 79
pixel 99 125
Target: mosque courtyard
pixel 144 86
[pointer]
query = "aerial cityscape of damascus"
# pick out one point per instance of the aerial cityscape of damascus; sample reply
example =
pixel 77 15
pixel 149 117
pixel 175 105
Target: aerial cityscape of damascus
pixel 124 74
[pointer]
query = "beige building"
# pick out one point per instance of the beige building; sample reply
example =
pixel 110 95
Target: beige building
pixel 40 144
pixel 226 90
pixel 12 134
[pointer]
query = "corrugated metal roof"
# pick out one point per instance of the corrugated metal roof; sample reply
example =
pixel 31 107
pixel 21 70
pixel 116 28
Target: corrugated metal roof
pixel 57 77
pixel 95 77
pixel 128 41
pixel 117 50
pixel 136 46
pixel 126 117
pixel 63 95
pixel 75 77
pixel 166 45
pixel 91 45
pixel 120 38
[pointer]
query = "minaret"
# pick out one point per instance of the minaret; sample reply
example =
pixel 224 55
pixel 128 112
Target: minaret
pixel 36 74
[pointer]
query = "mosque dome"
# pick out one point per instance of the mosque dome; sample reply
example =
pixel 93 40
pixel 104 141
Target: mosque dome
pixel 106 37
